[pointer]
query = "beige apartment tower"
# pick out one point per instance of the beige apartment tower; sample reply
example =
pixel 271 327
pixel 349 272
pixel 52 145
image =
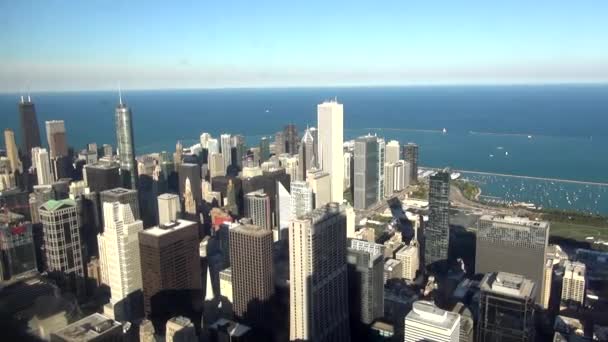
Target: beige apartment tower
pixel 330 119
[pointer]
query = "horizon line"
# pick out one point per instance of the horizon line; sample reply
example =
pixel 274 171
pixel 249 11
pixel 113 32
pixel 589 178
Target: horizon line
pixel 363 85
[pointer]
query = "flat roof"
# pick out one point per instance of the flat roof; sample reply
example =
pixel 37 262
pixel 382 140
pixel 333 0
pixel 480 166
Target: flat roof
pixel 251 230
pixel 168 228
pixel 167 196
pixel 516 220
pixel 427 313
pixel 87 328
pixel 510 284
pixel 233 328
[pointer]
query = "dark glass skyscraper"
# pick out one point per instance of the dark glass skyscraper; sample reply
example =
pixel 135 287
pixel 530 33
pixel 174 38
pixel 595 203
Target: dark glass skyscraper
pixel 291 139
pixel 125 145
pixel 437 232
pixel 30 133
pixel 410 154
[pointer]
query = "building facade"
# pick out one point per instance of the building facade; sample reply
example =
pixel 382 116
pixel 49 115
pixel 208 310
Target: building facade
pixel 365 192
pixel 330 119
pixel 573 284
pixel 426 322
pixel 365 282
pixel 437 232
pixel 125 145
pixel 30 133
pixel 56 138
pixel 257 208
pixel 169 208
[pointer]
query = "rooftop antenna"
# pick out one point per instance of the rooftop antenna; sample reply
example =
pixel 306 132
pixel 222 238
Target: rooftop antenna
pixel 22 99
pixel 119 95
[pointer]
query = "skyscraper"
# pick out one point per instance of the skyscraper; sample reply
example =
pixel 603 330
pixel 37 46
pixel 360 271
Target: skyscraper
pixel 302 199
pixel 330 118
pixel 365 281
pixel 366 172
pixel 61 226
pixel 40 160
pixel 180 329
pixel 124 196
pixel 100 177
pixel 168 208
pixel 506 308
pixel 125 145
pixel 30 132
pixel 573 284
pixel 410 154
pixel 56 138
pixel 17 249
pixel 381 156
pixel 291 139
pixel 216 165
pixel 279 143
pixel 119 258
pixel 11 151
pixel 264 149
pixel 192 172
pixel 320 183
pixel 226 146
pixel 188 199
pixel 239 150
pixel 512 244
pixel 392 151
pixel 437 232
pixel 257 207
pixel 410 263
pixel 252 273
pixel 318 276
pixel 426 322
pixel 170 261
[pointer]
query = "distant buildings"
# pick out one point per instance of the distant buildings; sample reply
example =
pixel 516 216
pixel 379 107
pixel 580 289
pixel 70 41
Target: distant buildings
pixel 392 151
pixel 170 264
pixel 573 284
pixel 410 154
pixel 330 117
pixel 193 173
pixel 252 271
pixel 62 241
pixel 426 322
pixel 125 145
pixel 318 278
pixel 120 258
pixel 264 149
pixel 366 288
pixel 307 155
pixel 437 232
pixel 226 146
pixel 513 244
pixel 291 139
pixel 42 163
pixel 12 153
pixel 216 165
pixel 257 207
pixel 365 192
pixel 506 308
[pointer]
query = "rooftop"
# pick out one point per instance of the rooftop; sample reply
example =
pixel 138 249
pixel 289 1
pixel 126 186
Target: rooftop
pixel 118 191
pixel 167 196
pixel 53 205
pixel 87 328
pixel 516 220
pixel 168 228
pixel 232 328
pixel 251 230
pixel 510 284
pixel 428 313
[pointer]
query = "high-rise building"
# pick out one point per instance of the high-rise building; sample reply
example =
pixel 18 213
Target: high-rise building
pixel 100 177
pixel 306 154
pixel 389 178
pixel 40 161
pixel 30 132
pixel 168 208
pixel 188 199
pixel 61 227
pixel 264 149
pixel 573 284
pixel 380 169
pixel 124 196
pixel 226 145
pixel 291 139
pixel 506 308
pixel 392 151
pixel 92 328
pixel 257 207
pixel 193 173
pixel 365 281
pixel 239 150
pixel 320 183
pixel 426 322
pixel 108 152
pixel 279 143
pixel 437 232
pixel 318 276
pixel 125 145
pixel 284 212
pixel 410 154
pixel 11 151
pixel 56 138
pixel 330 118
pixel 401 175
pixel 119 259
pixel 180 329
pixel 216 165
pixel 252 273
pixel 365 193
pixel 302 199
pixel 17 250
pixel 410 263
pixel 348 169
pixel 513 244
pixel 169 261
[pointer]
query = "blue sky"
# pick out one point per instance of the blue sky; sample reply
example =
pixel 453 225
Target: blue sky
pixel 95 44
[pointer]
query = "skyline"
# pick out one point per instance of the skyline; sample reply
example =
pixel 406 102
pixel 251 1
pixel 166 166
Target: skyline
pixel 88 47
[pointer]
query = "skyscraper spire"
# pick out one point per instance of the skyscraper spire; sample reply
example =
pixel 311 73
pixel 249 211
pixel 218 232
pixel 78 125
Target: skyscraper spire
pixel 119 95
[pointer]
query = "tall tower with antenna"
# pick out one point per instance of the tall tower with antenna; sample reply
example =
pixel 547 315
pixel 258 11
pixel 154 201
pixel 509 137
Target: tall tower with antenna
pixel 30 132
pixel 125 144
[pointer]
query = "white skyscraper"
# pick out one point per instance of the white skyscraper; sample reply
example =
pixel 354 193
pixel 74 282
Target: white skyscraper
pixel 213 146
pixel 318 307
pixel 426 322
pixel 168 208
pixel 330 119
pixel 40 160
pixel 302 199
pixel 573 285
pixel 392 151
pixel 119 257
pixel 216 165
pixel 225 140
